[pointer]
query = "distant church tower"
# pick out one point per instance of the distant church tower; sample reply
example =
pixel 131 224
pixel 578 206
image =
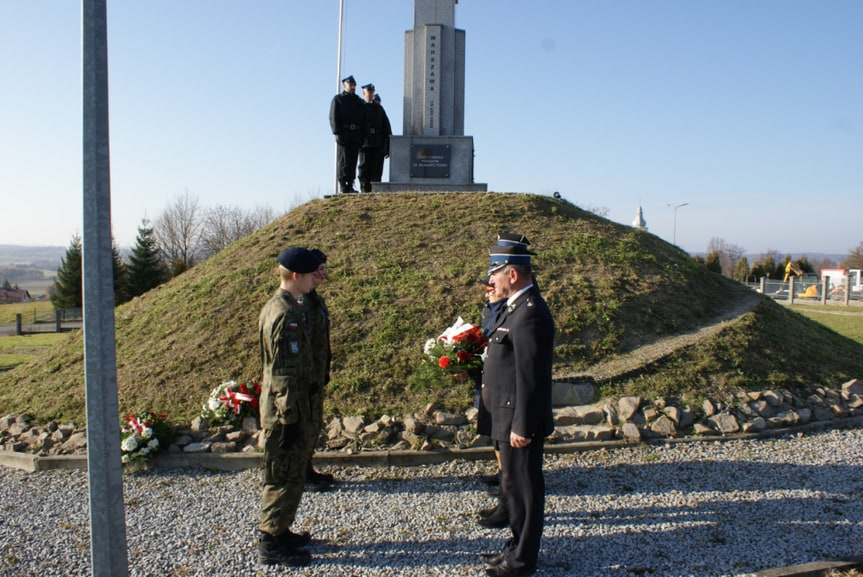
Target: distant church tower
pixel 639 221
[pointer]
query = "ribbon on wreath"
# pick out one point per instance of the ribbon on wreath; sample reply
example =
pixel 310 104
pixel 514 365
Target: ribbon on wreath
pixel 233 399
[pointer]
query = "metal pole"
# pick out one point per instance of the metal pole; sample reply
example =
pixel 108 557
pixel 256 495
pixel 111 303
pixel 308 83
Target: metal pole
pixel 674 235
pixel 338 89
pixel 107 514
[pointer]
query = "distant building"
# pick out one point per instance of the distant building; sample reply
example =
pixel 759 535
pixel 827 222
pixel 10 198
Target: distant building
pixel 8 296
pixel 639 221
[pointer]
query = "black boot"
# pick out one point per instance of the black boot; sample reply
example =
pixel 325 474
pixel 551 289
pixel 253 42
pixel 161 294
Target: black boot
pixel 272 552
pixel 497 519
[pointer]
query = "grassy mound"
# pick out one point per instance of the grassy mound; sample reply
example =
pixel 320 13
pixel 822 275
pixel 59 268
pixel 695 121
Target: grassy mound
pixel 403 267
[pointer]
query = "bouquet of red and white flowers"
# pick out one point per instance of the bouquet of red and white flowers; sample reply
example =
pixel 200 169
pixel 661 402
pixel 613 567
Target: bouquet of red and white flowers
pixel 139 435
pixel 457 350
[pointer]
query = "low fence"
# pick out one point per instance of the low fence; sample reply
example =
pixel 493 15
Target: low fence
pixel 804 291
pixel 57 321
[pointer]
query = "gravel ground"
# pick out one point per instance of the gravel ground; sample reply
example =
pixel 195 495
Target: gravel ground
pixel 706 508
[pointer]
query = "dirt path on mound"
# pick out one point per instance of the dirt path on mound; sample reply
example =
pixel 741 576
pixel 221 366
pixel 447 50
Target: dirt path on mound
pixel 645 355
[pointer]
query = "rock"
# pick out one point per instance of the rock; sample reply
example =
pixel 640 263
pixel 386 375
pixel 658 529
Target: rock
pixel 708 407
pixel 580 415
pixel 631 432
pixel 448 419
pixel 224 447
pixel 353 424
pixel 627 406
pixel 852 388
pixel 197 447
pixel 664 426
pixel 250 425
pixel 199 423
pixel 611 416
pixel 581 391
pixel 413 425
pixel 773 398
pixel 725 423
pixel 702 429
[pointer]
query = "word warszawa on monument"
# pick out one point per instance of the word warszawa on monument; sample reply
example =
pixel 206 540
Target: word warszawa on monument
pixel 433 153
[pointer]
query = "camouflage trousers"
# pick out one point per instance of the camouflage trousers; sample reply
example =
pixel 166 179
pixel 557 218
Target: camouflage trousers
pixel 285 473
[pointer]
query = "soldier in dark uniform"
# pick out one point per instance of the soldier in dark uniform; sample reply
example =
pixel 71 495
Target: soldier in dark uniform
pixel 516 389
pixel 286 418
pixel 319 324
pixel 376 140
pixel 347 117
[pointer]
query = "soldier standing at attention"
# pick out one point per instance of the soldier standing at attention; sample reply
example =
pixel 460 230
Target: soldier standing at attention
pixel 319 323
pixel 286 418
pixel 347 117
pixel 376 140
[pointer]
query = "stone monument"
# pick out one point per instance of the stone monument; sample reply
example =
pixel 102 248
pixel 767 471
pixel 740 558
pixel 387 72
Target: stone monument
pixel 433 154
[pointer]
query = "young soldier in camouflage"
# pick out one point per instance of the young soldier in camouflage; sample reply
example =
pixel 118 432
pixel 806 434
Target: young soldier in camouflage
pixel 286 418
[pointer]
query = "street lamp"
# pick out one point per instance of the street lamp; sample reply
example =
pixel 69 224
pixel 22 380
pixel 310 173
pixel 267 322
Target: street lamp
pixel 674 241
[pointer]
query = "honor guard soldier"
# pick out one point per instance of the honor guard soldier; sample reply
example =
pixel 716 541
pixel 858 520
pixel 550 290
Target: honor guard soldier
pixel 376 141
pixel 347 120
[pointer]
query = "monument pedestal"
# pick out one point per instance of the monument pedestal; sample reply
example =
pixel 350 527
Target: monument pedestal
pixel 431 163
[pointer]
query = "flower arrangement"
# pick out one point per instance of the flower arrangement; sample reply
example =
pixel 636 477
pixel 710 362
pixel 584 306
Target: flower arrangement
pixel 139 435
pixel 459 349
pixel 231 402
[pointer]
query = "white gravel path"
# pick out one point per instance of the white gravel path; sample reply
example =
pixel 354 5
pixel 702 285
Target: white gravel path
pixel 708 508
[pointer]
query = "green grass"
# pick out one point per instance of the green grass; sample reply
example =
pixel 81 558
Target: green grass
pixel 28 311
pixel 403 267
pixel 15 350
pixel 847 321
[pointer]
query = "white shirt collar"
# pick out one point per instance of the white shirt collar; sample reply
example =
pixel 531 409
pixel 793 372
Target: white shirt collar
pixel 511 299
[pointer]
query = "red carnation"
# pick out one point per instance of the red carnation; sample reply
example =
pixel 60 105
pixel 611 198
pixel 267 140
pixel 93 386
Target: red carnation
pixel 463 356
pixel 443 362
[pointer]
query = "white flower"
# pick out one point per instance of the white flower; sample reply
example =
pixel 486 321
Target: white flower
pixel 213 404
pixel 153 444
pixel 129 444
pixel 146 433
pixel 124 459
pixel 429 346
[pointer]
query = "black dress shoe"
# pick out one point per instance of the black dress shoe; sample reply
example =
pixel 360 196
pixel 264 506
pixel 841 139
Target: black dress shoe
pixel 507 570
pixel 497 520
pixel 493 559
pixel 483 513
pixel 490 479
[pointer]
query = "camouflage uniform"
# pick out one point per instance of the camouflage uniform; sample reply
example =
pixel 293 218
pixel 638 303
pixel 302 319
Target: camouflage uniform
pixel 319 327
pixel 288 376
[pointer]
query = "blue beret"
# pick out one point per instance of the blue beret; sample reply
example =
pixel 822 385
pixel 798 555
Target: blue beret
pixel 299 260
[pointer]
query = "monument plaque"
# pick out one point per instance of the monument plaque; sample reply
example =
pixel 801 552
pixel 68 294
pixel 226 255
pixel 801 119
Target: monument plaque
pixel 430 160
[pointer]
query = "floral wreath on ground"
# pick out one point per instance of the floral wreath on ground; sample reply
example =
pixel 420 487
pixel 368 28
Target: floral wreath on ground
pixel 231 402
pixel 140 434
pixel 459 349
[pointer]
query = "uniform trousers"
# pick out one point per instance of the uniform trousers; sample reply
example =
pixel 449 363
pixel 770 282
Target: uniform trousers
pixel 285 472
pixel 371 167
pixel 348 153
pixel 523 485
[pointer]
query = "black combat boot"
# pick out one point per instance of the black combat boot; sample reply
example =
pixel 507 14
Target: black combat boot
pixel 272 552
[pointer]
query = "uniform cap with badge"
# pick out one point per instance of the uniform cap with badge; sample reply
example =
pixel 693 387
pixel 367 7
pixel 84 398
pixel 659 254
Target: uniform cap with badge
pixel 504 255
pixel 349 80
pixel 369 86
pixel 299 260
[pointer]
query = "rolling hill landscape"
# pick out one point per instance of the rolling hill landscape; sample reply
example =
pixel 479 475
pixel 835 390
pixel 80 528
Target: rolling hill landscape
pixel 403 267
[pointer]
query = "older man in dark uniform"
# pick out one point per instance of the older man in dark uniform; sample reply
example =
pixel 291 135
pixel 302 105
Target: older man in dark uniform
pixel 376 141
pixel 347 118
pixel 516 390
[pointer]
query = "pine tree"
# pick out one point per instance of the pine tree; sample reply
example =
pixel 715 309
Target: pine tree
pixel 146 268
pixel 68 289
pixel 121 274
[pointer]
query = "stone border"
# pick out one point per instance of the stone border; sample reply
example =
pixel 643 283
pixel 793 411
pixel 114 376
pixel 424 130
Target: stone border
pixel 398 458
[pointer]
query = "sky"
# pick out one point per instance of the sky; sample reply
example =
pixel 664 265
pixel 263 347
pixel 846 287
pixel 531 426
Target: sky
pixel 745 114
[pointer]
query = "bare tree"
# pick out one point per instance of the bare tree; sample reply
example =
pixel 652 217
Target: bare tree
pixel 178 232
pixel 728 255
pixel 226 224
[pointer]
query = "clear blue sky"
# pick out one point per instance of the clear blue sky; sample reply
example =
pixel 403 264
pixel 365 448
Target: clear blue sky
pixel 751 111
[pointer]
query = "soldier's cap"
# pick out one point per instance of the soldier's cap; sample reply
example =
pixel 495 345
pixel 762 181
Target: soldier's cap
pixel 503 255
pixel 319 255
pixel 369 86
pixel 377 97
pixel 512 238
pixel 299 260
pixel 349 79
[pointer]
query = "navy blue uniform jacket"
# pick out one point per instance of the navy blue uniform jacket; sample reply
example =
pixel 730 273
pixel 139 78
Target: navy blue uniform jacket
pixel 516 383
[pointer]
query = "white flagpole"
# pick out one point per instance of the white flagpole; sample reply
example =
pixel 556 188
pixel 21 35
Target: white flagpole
pixel 339 87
